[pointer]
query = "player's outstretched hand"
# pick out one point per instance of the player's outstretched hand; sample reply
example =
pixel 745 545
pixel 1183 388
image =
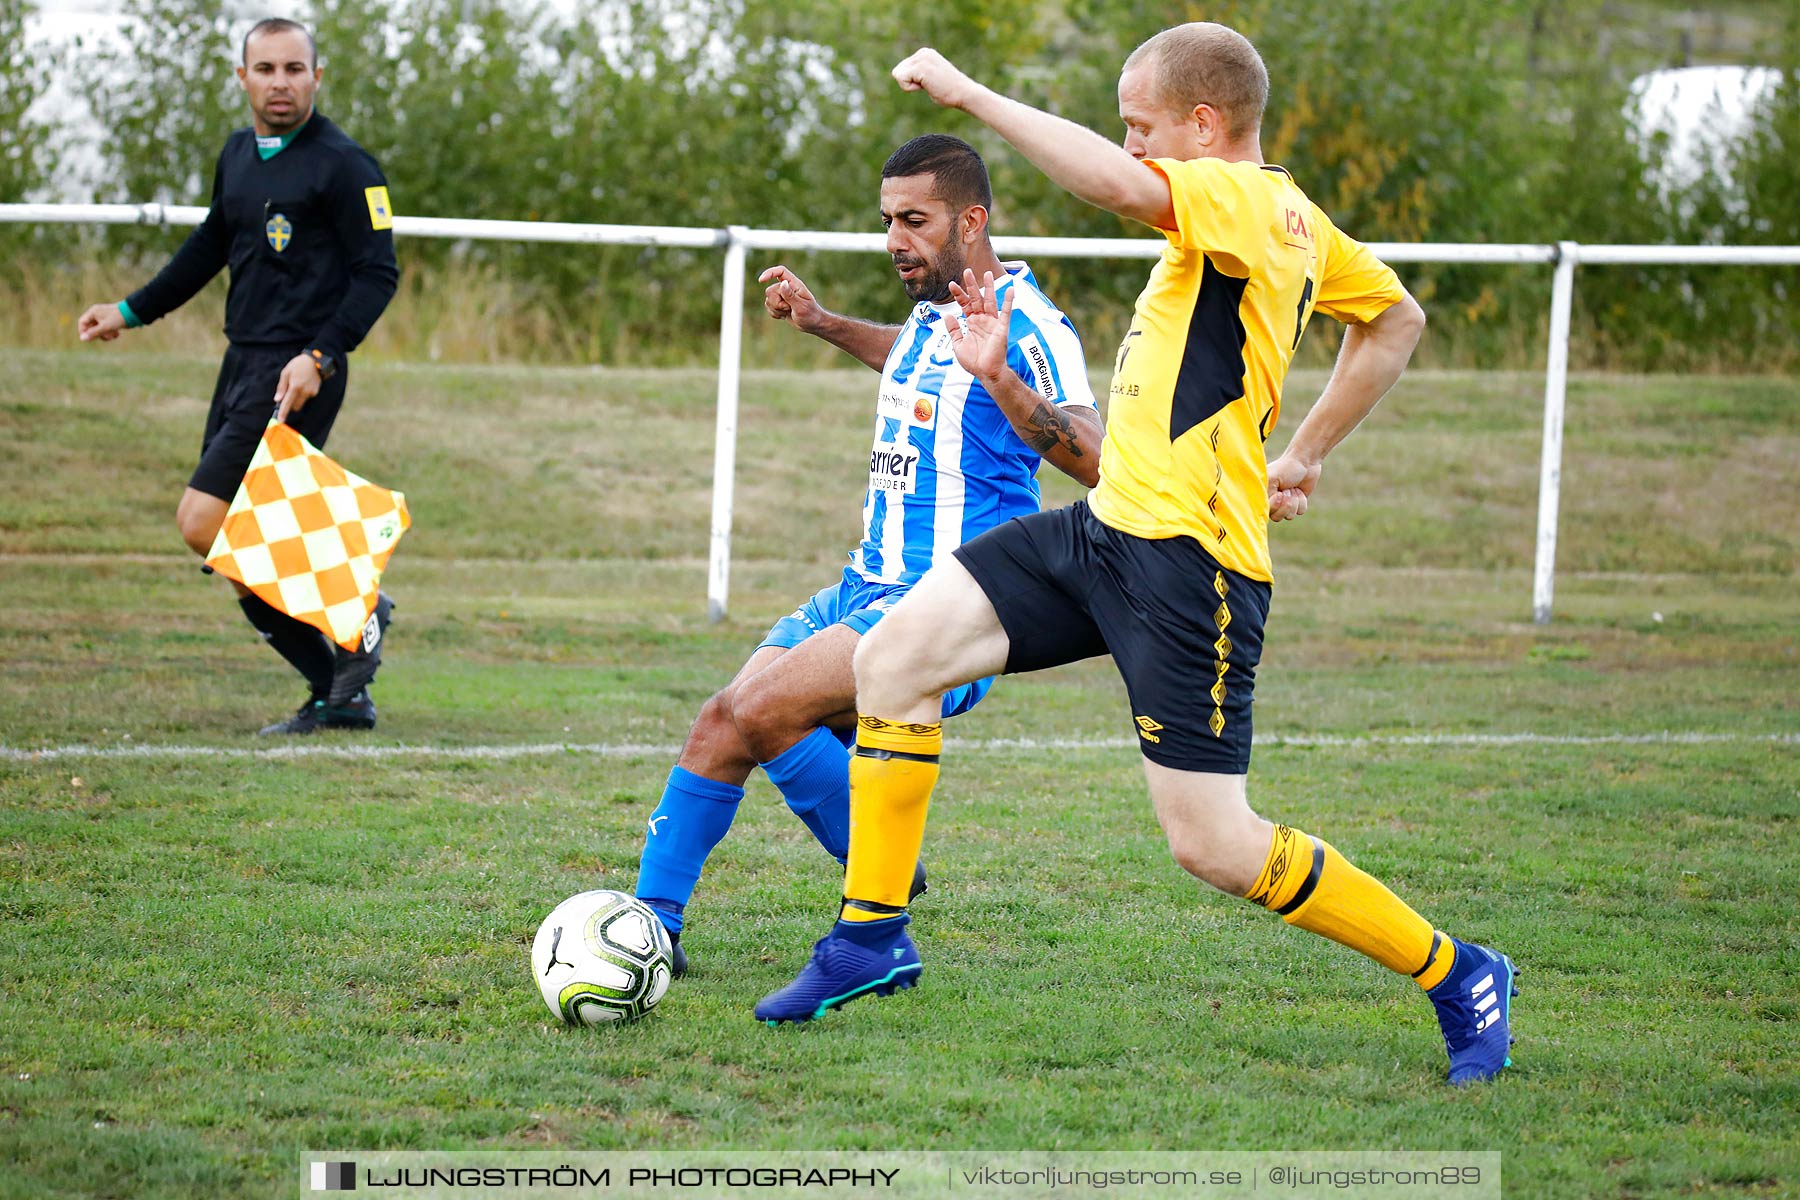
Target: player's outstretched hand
pixel 101 322
pixel 299 383
pixel 979 339
pixel 1291 483
pixel 930 72
pixel 787 299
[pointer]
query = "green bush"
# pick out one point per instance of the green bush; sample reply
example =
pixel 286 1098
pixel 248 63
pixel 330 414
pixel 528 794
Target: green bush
pixel 24 145
pixel 1408 120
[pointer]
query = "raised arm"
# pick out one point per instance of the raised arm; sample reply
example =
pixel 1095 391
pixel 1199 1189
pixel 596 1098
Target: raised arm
pixel 1066 435
pixel 1371 360
pixel 1075 158
pixel 788 299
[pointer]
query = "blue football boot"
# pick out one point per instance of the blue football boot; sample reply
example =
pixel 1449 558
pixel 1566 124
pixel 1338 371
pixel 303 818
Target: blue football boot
pixel 839 971
pixel 681 959
pixel 1474 1009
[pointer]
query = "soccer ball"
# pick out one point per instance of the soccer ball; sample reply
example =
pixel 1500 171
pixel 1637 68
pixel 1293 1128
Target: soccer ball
pixel 601 957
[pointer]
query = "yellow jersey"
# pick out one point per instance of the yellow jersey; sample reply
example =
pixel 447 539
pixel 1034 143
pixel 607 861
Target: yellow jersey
pixel 1197 385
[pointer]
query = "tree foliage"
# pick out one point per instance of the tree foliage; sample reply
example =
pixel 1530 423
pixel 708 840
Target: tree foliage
pixel 166 98
pixel 1408 120
pixel 24 143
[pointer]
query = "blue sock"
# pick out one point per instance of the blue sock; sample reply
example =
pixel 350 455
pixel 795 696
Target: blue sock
pixel 813 776
pixel 878 936
pixel 691 819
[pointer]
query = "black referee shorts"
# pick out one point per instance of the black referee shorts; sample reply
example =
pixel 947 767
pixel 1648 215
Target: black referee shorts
pixel 1185 633
pixel 243 403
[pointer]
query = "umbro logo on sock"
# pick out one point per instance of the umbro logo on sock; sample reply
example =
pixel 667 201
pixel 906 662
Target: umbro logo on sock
pixel 1487 1001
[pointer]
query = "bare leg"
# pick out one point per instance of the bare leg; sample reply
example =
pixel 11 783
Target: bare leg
pixel 943 634
pixel 1212 832
pixel 199 517
pixel 810 686
pixel 777 700
pixel 714 749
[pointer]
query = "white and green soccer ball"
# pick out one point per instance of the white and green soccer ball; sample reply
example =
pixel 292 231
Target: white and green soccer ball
pixel 601 958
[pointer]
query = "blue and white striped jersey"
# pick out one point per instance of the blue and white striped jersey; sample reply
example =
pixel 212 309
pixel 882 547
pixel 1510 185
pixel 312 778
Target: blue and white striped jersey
pixel 946 464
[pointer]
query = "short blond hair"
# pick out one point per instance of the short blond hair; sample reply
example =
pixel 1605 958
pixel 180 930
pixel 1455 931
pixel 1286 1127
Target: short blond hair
pixel 1206 63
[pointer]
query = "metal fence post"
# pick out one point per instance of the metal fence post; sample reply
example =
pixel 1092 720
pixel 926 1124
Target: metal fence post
pixel 731 346
pixel 737 240
pixel 1556 380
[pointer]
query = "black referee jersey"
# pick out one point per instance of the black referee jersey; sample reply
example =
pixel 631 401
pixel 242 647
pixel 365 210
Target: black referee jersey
pixel 308 235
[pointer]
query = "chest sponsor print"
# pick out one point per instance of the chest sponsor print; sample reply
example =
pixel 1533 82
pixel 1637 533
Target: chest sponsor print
pixel 907 406
pixel 894 468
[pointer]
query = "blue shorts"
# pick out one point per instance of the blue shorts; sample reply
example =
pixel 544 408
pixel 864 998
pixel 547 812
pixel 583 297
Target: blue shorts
pixel 856 602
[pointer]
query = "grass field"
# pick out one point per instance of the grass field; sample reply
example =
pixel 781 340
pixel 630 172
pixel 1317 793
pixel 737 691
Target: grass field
pixel 214 957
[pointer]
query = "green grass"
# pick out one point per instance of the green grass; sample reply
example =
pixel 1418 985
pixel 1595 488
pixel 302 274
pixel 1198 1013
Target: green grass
pixel 210 964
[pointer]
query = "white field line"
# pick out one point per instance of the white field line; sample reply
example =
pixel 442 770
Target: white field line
pixel 334 750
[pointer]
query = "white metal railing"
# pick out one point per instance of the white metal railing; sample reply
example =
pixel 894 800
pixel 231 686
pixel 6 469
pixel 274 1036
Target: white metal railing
pixel 736 241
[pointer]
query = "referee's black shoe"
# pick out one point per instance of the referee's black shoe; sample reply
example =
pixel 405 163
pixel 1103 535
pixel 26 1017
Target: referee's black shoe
pixel 356 668
pixel 358 712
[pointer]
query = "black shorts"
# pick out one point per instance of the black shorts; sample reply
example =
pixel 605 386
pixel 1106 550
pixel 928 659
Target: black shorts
pixel 242 404
pixel 1185 633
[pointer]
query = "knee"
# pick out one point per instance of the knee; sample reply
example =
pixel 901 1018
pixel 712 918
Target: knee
pixel 198 524
pixel 1226 859
pixel 760 719
pixel 196 533
pixel 713 738
pixel 1196 856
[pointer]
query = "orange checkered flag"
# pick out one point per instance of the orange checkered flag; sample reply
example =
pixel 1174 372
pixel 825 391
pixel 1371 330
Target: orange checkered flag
pixel 308 536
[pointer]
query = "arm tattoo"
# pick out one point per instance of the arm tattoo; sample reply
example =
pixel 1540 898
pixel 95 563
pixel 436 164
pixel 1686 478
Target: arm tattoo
pixel 1051 428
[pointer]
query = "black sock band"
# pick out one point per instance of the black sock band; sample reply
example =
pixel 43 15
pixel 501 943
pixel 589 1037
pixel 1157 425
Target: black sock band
pixel 306 649
pixel 1437 943
pixel 870 906
pixel 890 755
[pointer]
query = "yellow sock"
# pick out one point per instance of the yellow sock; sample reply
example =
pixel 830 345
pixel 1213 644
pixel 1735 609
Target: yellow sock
pixel 1315 888
pixel 891 777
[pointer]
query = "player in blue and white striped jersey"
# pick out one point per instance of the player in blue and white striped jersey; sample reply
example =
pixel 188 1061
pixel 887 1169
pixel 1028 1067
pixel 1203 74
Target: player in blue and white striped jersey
pixel 953 456
pixel 948 462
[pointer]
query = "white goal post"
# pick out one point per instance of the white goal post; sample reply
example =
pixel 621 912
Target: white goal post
pixel 737 240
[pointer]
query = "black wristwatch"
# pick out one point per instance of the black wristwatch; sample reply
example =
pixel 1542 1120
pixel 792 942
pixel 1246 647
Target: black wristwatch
pixel 327 365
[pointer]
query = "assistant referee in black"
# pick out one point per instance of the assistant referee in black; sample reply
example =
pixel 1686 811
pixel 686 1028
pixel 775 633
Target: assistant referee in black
pixel 301 215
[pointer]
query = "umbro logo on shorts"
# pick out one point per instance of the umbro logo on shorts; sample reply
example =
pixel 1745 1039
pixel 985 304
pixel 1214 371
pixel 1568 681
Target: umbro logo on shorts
pixel 1147 729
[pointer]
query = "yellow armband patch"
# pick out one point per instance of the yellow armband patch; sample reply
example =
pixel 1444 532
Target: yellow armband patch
pixel 381 213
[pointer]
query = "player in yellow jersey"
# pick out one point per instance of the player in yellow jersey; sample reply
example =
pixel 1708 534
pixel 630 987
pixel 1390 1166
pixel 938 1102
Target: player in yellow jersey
pixel 1167 566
